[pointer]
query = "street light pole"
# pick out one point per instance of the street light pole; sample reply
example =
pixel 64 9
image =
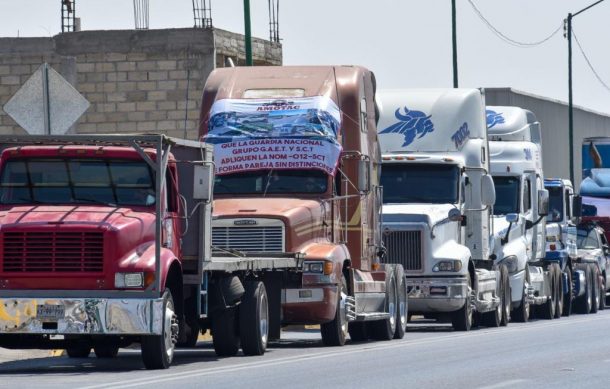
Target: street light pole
pixel 454 43
pixel 570 102
pixel 248 33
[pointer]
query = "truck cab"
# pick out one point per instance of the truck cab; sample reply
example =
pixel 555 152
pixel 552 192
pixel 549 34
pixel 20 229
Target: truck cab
pixel 520 211
pixel 437 199
pixel 297 174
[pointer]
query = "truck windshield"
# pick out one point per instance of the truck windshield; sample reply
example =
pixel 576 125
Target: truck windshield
pixel 555 204
pixel 507 195
pixel 420 183
pixel 272 182
pixel 76 181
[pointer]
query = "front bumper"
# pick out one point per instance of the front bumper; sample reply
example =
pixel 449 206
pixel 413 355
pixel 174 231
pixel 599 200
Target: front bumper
pixel 90 316
pixel 430 294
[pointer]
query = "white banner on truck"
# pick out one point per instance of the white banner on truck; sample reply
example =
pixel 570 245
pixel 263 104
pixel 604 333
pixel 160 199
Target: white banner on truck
pixel 253 134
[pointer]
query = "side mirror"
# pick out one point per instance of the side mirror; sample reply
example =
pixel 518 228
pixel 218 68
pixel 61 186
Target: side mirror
pixel 488 191
pixel 364 176
pixel 543 202
pixel 577 206
pixel 512 217
pixel 455 215
pixel 202 182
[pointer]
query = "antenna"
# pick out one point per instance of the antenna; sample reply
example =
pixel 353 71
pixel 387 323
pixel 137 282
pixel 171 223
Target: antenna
pixel 274 21
pixel 202 12
pixel 68 8
pixel 141 12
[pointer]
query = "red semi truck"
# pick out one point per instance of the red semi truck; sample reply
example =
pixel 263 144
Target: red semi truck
pixel 297 174
pixel 102 242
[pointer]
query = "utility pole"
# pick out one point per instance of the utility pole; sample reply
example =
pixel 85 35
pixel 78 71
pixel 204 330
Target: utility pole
pixel 248 33
pixel 454 39
pixel 570 102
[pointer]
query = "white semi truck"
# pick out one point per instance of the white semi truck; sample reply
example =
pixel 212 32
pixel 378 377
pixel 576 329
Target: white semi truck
pixel 438 194
pixel 520 213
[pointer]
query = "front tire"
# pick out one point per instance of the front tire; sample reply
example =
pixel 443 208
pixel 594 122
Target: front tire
pixel 522 313
pixel 334 332
pixel 595 297
pixel 583 303
pixel 559 293
pixel 569 295
pixel 254 319
pixel 462 318
pixel 158 350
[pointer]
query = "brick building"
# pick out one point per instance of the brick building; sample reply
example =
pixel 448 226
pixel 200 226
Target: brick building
pixel 136 81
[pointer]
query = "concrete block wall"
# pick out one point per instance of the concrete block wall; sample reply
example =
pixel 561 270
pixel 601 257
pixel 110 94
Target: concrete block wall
pixel 136 81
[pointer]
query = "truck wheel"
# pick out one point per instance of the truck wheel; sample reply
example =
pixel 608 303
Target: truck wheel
pixel 192 335
pixel 334 332
pixel 583 303
pixel 254 319
pixel 569 294
pixel 224 332
pixel 547 310
pixel 594 289
pixel 559 290
pixel 462 318
pixel 402 306
pixel 494 318
pixel 602 293
pixel 507 296
pixel 358 331
pixel 158 350
pixel 79 351
pixel 385 329
pixel 522 313
pixel 106 351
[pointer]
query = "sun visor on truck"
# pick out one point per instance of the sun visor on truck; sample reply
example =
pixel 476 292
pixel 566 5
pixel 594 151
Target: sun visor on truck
pixel 253 134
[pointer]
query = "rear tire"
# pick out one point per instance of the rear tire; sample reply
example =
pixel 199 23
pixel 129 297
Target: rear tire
pixel 569 295
pixel 402 306
pixel 334 332
pixel 192 337
pixel 224 332
pixel 254 319
pixel 158 350
pixel 78 351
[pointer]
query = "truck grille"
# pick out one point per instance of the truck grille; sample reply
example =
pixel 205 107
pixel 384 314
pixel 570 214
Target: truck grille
pixel 56 252
pixel 249 239
pixel 404 247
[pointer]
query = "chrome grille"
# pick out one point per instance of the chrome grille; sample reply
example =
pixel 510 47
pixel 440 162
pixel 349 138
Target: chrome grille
pixel 249 239
pixel 55 252
pixel 404 247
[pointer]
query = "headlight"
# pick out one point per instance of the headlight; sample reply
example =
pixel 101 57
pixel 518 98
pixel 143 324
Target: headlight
pixel 452 265
pixel 128 280
pixel 313 267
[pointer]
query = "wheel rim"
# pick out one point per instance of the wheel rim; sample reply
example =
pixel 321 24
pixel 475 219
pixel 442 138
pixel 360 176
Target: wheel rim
pixel 469 307
pixel 170 333
pixel 589 298
pixel 263 318
pixel 343 312
pixel 507 297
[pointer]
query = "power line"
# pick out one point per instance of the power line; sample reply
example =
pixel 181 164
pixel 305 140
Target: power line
pixel 508 39
pixel 582 51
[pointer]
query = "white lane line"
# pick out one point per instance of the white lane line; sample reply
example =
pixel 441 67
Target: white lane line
pixel 503 384
pixel 343 351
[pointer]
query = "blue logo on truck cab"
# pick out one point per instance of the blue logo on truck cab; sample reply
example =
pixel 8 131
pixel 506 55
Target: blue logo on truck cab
pixel 411 124
pixel 493 118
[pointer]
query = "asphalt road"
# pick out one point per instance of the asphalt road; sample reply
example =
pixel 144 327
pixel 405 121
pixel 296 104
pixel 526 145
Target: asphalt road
pixel 565 353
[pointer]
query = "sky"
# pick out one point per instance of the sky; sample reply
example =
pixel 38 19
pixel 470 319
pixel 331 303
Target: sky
pixel 407 43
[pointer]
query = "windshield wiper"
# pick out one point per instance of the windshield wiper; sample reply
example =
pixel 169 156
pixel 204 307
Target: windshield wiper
pixel 93 201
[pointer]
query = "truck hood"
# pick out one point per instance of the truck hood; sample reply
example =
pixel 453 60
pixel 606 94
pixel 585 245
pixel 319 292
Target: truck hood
pixel 95 216
pixel 295 210
pixel 416 213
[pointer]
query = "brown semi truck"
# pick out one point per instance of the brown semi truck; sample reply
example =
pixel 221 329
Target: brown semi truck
pixel 297 176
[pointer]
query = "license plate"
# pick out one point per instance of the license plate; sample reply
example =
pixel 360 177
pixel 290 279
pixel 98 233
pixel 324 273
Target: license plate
pixel 50 312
